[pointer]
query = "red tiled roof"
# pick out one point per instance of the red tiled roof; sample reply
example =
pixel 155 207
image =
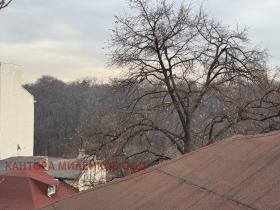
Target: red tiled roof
pixel 36 174
pixel 27 189
pixel 238 173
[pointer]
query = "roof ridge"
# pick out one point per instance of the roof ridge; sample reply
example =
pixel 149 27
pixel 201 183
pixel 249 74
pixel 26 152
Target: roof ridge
pixel 207 190
pixel 16 172
pixel 31 191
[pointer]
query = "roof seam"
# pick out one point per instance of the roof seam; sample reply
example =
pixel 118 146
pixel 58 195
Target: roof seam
pixel 31 191
pixel 207 190
pixel 147 171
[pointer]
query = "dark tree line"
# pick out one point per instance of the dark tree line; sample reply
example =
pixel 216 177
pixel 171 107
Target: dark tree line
pixel 60 109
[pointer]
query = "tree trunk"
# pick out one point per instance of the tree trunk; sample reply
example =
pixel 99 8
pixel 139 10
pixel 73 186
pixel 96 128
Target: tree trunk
pixel 187 143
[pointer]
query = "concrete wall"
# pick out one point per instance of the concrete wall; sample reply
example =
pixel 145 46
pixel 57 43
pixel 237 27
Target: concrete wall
pixel 16 114
pixel 26 124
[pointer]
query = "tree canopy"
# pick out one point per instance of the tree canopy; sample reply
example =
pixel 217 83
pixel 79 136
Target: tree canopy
pixel 184 57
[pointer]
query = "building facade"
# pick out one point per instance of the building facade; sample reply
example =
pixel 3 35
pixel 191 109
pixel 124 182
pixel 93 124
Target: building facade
pixel 16 114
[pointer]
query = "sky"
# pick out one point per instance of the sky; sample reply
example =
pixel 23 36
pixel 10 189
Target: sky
pixel 64 38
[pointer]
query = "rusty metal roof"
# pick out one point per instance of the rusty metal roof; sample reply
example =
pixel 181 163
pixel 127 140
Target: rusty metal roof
pixel 242 172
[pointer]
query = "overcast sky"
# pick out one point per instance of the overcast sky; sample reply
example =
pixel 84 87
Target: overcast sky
pixel 64 38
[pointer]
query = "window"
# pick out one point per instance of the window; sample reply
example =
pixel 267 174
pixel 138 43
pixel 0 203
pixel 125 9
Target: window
pixel 92 175
pixel 51 190
pixel 102 174
pixel 87 177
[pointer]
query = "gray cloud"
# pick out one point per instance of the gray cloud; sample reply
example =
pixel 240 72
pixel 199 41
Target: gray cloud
pixel 65 38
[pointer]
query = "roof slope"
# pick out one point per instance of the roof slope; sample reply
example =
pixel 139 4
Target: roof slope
pixel 36 174
pixel 241 172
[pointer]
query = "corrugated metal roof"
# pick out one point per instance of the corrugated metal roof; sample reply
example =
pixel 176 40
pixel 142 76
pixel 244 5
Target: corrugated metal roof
pixel 55 171
pixel 7 165
pixel 242 172
pixel 70 172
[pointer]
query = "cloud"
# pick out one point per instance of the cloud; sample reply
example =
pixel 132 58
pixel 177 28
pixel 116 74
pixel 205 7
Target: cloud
pixel 41 58
pixel 65 38
pixel 62 38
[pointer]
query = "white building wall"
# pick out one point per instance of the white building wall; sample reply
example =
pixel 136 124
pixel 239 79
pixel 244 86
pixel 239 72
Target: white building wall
pixel 16 114
pixel 26 124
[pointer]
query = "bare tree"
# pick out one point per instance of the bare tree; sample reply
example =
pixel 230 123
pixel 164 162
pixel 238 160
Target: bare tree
pixel 244 108
pixel 4 3
pixel 181 58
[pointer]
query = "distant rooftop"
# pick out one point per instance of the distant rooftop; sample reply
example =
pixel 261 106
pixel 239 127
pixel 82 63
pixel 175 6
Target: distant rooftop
pixel 56 171
pixel 4 164
pixel 27 189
